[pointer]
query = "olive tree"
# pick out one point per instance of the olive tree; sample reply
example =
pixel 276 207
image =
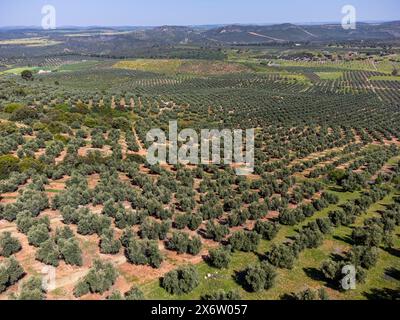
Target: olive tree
pixel 8 245
pixel 99 279
pixel 182 280
pixel 219 257
pixel 259 277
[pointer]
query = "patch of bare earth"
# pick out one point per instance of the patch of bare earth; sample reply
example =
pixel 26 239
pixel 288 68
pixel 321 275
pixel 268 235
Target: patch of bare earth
pixel 105 151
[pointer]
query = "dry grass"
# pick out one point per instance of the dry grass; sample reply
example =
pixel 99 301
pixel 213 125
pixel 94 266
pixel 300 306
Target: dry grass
pixel 198 67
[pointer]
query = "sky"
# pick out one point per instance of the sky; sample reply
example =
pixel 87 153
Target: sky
pixel 191 12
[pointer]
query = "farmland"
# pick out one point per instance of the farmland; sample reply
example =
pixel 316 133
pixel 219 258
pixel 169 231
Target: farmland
pixel 77 192
pixel 30 42
pixel 182 66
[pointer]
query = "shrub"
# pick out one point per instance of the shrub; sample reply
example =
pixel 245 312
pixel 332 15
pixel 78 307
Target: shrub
pixel 181 221
pixel 8 245
pixel 10 108
pixel 238 218
pixel 281 256
pixel 70 251
pixel 8 164
pixel 309 237
pixel 259 277
pixel 99 279
pixel 70 215
pixel 330 198
pixel 324 225
pixel 32 290
pixel 194 246
pixel 339 217
pixel 320 204
pixel 134 294
pixel 182 280
pixel 216 231
pixel 152 230
pixel 23 114
pixel 27 75
pixel 38 234
pixel 291 217
pixel 311 295
pixel 222 295
pixel 365 257
pixel 144 252
pixel 115 296
pixel 126 237
pixel 371 235
pixel 182 243
pixel 48 253
pixel 219 257
pixel 25 221
pixel 332 270
pixel 91 223
pixel 194 221
pixel 268 230
pixel 245 241
pixel 28 163
pixel 109 245
pixel 10 272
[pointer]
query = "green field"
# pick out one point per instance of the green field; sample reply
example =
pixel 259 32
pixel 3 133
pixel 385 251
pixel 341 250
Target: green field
pixel 329 75
pixel 385 78
pixel 298 278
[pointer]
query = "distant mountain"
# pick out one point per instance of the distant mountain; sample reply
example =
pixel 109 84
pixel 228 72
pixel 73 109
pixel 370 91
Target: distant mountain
pixel 129 41
pixel 170 35
pixel 291 32
pixel 234 34
pixel 230 34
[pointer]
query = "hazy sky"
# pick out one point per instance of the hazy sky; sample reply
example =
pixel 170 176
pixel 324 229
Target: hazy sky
pixel 190 12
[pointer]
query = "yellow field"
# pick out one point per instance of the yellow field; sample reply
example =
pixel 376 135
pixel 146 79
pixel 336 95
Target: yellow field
pixel 159 65
pixel 174 66
pixel 17 71
pixel 30 42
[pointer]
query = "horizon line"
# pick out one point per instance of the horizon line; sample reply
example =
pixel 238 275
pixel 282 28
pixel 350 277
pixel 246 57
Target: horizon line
pixel 193 25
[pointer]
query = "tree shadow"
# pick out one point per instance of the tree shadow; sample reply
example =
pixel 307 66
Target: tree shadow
pixel 206 259
pixel 202 233
pixel 314 274
pixel 292 238
pixel 261 256
pixel 288 297
pixel 393 252
pixel 393 273
pixel 317 275
pixel 345 239
pixel 336 189
pixel 274 219
pixel 239 278
pixel 336 257
pixel 383 294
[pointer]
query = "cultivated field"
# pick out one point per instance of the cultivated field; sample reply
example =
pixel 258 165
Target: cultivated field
pixel 77 194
